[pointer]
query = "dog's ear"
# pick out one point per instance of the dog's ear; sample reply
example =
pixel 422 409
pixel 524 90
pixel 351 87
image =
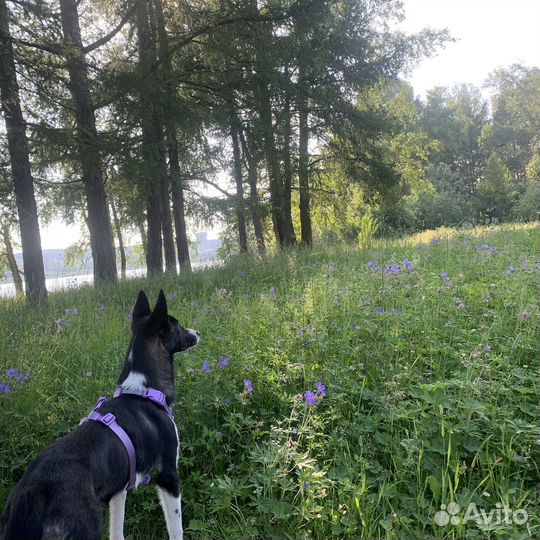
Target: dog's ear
pixel 159 316
pixel 141 308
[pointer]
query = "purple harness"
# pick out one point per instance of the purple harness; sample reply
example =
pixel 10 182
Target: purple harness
pixel 109 420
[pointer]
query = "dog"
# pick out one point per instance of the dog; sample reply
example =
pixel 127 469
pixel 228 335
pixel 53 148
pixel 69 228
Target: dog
pixel 61 494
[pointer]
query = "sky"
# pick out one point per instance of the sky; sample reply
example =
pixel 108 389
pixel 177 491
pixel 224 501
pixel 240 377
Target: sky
pixel 489 34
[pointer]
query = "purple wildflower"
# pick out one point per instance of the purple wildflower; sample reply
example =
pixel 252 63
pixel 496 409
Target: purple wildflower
pixel 29 374
pixel 447 282
pixel 408 265
pixel 525 263
pixel 525 314
pixel 242 273
pixel 321 389
pixel 206 366
pixel 399 311
pixel 520 458
pixel 12 372
pixel 306 485
pixel 5 389
pixel 20 377
pixel 311 329
pixel 74 311
pixel 355 326
pixel 273 291
pixel 173 296
pixel 60 326
pixel 371 265
pixel 443 274
pixel 67 312
pixel 379 310
pixel 224 362
pixel 194 303
pixel 511 270
pixel 310 397
pixel 248 386
pixel 389 311
pixel 379 269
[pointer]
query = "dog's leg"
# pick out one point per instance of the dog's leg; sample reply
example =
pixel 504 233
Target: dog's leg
pixel 117 507
pixel 168 485
pixel 172 510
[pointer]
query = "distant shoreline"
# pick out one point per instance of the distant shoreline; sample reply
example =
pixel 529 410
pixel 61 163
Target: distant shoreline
pixel 73 281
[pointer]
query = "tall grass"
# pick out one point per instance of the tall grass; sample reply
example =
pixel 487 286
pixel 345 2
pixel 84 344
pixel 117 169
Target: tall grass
pixel 431 387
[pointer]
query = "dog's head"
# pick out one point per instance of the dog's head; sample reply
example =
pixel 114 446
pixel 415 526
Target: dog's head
pixel 159 323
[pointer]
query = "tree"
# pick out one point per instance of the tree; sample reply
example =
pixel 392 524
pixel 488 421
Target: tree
pixel 455 119
pixel 98 219
pixel 494 194
pixel 149 102
pixel 516 117
pixel 23 183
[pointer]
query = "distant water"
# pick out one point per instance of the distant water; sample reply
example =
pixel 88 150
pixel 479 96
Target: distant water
pixel 73 282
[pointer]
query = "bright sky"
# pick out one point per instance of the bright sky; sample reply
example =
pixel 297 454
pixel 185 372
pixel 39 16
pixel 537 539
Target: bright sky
pixel 489 34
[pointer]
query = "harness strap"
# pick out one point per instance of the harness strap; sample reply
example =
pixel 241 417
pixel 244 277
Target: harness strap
pixel 157 397
pixel 109 420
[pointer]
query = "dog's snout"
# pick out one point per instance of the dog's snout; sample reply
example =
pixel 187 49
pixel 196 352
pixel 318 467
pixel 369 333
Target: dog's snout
pixel 196 334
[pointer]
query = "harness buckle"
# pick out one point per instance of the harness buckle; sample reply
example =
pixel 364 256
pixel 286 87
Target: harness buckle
pixel 108 419
pixel 158 397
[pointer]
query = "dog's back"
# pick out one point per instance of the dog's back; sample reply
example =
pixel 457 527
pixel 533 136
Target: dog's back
pixel 55 491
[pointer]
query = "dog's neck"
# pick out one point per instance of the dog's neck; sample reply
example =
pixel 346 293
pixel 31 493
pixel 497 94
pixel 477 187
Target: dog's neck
pixel 148 365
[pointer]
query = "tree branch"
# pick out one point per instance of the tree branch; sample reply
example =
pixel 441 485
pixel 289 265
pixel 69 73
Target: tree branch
pixel 107 37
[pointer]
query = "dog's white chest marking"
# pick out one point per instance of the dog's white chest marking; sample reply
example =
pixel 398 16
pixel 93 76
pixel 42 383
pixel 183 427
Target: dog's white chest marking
pixel 134 381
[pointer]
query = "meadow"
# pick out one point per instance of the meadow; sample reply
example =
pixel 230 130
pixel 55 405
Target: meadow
pixel 336 392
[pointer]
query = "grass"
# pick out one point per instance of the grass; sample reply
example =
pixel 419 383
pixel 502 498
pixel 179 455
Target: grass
pixel 433 403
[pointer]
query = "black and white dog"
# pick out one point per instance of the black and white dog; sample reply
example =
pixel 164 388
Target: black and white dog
pixel 61 494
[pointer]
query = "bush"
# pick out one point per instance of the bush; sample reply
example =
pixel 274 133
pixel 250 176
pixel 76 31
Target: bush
pixel 431 210
pixel 494 194
pixel 528 207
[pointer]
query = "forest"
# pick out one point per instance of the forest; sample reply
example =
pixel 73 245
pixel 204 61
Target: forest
pixel 288 122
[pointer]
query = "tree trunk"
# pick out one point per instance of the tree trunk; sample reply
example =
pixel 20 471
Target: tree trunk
pixel 177 189
pixel 144 238
pixel 253 195
pixel 17 280
pixel 303 173
pixel 182 245
pixel 150 138
pixel 240 215
pixel 166 218
pixel 276 188
pixel 23 183
pixel 99 222
pixel 287 174
pixel 121 247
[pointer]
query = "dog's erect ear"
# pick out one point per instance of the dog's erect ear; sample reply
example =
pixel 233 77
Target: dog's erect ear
pixel 141 308
pixel 159 315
